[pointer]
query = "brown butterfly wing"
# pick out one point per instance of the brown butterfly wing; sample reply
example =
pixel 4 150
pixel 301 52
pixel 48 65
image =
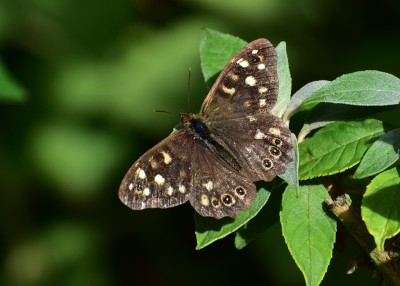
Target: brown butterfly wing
pixel 182 168
pixel 248 83
pixel 260 142
pixel 236 111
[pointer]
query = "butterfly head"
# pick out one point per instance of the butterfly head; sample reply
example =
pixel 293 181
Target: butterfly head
pixel 195 123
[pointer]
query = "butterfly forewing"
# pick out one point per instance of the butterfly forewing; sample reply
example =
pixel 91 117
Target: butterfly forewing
pixel 247 84
pixel 159 178
pixel 215 159
pixel 237 112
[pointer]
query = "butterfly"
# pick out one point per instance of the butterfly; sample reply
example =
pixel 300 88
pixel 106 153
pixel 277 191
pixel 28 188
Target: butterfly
pixel 234 141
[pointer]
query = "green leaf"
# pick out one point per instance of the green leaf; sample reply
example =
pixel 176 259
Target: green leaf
pixel 285 81
pixel 302 94
pixel 380 206
pixel 208 230
pixel 10 90
pixel 216 49
pixel 325 113
pixel 337 147
pixel 360 88
pixel 383 153
pixel 308 230
pixel 291 176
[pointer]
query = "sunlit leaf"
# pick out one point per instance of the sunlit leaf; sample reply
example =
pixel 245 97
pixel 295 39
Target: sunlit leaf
pixel 364 88
pixel 337 147
pixel 308 230
pixel 216 49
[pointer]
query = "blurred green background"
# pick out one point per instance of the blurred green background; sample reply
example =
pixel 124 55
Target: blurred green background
pixel 92 72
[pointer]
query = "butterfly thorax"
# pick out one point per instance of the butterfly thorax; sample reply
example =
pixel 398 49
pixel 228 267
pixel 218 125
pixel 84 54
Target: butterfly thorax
pixel 196 125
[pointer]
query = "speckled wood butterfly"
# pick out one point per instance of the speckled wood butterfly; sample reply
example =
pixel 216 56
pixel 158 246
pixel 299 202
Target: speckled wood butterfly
pixel 233 142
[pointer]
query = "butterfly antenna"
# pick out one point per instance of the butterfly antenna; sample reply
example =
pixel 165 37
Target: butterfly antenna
pixel 163 111
pixel 189 89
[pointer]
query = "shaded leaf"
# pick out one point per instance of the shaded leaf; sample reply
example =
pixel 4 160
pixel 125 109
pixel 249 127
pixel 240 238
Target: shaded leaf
pixel 380 206
pixel 291 176
pixel 285 81
pixel 383 153
pixel 10 90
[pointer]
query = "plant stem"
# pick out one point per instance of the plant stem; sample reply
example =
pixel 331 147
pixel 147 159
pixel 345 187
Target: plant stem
pixel 351 219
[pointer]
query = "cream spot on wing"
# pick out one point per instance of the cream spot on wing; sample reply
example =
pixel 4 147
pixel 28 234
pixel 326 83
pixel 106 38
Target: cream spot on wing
pixel 247 103
pixel 260 135
pixel 261 66
pixel 159 180
pixel 243 63
pixel 182 188
pixel 143 205
pixel 167 157
pixel 204 200
pixel 274 131
pixel 250 80
pixel 170 190
pixel 262 89
pixel 233 76
pixel 254 52
pixel 262 102
pixel 130 187
pixel 153 164
pixel 251 118
pixel 146 191
pixel 141 174
pixel 228 90
pixel 209 185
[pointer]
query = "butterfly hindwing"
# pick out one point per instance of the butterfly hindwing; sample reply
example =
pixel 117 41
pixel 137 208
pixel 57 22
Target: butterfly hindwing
pixel 182 168
pixel 261 142
pixel 218 189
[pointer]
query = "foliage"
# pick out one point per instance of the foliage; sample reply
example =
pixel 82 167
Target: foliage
pixel 10 90
pixel 335 151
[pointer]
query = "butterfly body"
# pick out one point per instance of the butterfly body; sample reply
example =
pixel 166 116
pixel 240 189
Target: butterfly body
pixel 234 141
